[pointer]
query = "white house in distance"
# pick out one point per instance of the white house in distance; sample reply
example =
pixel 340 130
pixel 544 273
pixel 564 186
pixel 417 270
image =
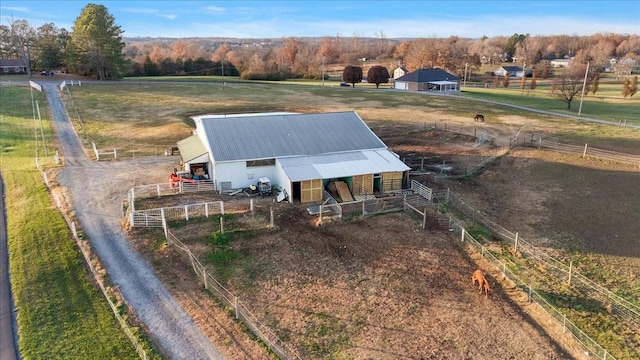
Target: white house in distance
pixel 299 153
pixel 428 80
pixel 513 71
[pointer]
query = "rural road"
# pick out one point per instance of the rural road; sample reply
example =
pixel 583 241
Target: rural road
pixel 97 190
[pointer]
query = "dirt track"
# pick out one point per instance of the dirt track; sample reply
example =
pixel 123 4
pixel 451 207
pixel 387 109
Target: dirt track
pixel 97 191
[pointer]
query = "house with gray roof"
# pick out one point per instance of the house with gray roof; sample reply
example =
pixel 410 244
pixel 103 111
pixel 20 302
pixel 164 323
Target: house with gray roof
pixel 300 153
pixel 428 80
pixel 513 71
pixel 13 66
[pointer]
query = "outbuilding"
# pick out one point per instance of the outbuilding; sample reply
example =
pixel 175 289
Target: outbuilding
pixel 300 153
pixel 428 80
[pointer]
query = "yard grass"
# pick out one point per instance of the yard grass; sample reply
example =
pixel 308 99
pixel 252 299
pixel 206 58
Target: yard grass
pixel 607 104
pixel 145 118
pixel 61 314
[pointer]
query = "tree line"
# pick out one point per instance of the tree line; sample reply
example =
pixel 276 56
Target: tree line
pixel 95 47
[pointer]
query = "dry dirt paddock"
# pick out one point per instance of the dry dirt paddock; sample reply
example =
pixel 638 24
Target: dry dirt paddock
pixel 383 288
pixel 374 288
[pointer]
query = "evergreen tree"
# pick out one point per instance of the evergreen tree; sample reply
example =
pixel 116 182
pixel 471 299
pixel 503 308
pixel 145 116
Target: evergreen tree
pixel 95 45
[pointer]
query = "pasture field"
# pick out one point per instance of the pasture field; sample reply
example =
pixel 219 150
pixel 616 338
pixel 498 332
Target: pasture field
pixel 570 206
pixel 60 312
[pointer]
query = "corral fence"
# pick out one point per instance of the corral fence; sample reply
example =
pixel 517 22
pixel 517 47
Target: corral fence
pixel 534 296
pixel 157 217
pixel 585 150
pixel 240 310
pixel 558 273
pixel 151 217
pixel 162 216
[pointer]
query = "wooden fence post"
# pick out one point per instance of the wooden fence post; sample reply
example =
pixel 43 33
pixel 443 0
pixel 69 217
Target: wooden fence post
pixel 424 219
pixel 236 306
pixel 271 221
pixel 164 223
pixel 204 278
pixel 584 153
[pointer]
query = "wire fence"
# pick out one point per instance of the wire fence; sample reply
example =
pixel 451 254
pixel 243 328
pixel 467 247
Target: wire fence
pixel 430 204
pixel 240 310
pixel 557 274
pixel 585 150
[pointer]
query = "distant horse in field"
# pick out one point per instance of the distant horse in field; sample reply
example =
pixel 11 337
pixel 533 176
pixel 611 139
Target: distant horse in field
pixel 483 284
pixel 479 118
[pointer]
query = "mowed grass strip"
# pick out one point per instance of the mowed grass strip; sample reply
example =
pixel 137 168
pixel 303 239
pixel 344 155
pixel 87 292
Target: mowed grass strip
pixel 60 313
pixel 607 104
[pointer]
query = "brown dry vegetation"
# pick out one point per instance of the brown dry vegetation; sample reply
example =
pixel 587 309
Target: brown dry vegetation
pixel 382 288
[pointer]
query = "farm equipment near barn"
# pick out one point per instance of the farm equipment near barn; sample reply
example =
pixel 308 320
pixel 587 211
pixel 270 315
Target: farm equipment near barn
pixel 264 186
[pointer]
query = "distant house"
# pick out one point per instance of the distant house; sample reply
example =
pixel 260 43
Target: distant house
pixel 300 153
pixel 12 66
pixel 399 71
pixel 428 80
pixel 512 71
pixel 560 63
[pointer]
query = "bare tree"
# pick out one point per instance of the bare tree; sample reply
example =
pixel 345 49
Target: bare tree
pixel 533 84
pixel 568 84
pixel 23 36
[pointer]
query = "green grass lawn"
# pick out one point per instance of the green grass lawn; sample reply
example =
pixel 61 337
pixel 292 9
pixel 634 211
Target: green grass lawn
pixel 61 314
pixel 604 105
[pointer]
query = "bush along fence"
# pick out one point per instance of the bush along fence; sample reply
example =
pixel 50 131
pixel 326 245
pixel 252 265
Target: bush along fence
pixel 557 274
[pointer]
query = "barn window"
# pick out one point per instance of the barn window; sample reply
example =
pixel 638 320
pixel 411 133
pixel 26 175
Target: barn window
pixel 264 162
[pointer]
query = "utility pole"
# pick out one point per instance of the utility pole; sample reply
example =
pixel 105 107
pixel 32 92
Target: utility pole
pixel 584 84
pixel 323 71
pixel 464 82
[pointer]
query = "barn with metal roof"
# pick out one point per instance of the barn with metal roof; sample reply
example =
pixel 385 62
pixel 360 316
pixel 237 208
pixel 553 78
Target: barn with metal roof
pixel 300 153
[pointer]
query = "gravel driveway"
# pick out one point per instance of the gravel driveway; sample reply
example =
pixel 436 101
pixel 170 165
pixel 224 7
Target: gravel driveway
pixel 97 190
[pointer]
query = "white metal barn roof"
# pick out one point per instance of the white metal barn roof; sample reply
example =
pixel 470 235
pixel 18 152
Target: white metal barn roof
pixel 276 135
pixel 332 166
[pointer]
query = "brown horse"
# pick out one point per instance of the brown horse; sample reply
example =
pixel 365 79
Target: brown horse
pixel 479 117
pixel 483 284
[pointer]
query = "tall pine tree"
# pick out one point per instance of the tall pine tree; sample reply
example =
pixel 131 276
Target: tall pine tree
pixel 95 46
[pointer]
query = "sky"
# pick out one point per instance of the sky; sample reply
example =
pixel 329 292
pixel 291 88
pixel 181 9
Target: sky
pixel 388 19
